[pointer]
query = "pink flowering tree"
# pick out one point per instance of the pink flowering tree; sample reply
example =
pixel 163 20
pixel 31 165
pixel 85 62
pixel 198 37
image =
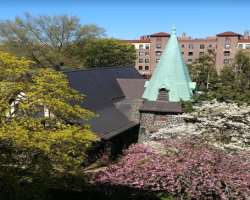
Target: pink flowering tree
pixel 184 169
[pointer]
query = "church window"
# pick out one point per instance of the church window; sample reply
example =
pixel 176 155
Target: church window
pixel 163 95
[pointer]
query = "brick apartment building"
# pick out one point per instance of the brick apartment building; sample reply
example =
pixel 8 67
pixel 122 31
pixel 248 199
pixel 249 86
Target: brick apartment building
pixel 225 45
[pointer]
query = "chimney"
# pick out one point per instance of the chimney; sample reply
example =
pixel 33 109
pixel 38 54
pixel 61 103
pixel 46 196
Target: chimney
pixel 246 34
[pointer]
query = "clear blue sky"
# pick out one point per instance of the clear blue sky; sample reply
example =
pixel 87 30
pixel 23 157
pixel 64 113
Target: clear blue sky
pixel 132 18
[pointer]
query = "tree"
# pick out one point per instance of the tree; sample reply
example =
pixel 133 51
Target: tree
pixel 183 168
pixel 35 147
pixel 106 53
pixel 203 71
pixel 233 84
pixel 48 41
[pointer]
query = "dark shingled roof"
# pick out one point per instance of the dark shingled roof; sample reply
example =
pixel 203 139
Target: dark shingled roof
pixel 132 88
pixel 102 89
pixel 161 106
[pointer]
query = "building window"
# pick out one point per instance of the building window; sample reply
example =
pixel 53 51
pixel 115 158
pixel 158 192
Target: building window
pixel 182 46
pixel 158 39
pixel 146 53
pixel 210 45
pixel 146 60
pixel 146 67
pixel 146 46
pixel 227 46
pixel 140 67
pixel 190 60
pixel 191 46
pixel 226 61
pixel 140 53
pixel 227 43
pixel 157 60
pixel 163 95
pixel 247 46
pixel 202 46
pixel 141 46
pixel 190 53
pixel 201 53
pixel 182 52
pixel 158 53
pixel 226 53
pixel 140 60
pixel 158 46
pixel 240 46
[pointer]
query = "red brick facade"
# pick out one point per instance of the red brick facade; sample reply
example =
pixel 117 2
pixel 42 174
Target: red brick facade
pixel 225 45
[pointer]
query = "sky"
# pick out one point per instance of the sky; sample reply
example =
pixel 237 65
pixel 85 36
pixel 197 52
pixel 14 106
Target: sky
pixel 132 18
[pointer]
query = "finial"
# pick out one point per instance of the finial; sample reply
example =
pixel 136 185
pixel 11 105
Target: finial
pixel 173 30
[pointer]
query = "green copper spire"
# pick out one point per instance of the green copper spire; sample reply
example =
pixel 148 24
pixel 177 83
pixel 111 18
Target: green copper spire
pixel 171 74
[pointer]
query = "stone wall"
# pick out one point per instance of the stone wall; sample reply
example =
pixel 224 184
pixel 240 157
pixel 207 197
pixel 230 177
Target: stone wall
pixel 152 122
pixel 134 113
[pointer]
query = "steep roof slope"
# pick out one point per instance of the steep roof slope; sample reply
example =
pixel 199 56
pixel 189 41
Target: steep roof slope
pixel 102 89
pixel 171 73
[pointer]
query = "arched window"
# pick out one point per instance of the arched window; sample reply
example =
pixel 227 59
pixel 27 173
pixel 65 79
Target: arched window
pixel 163 95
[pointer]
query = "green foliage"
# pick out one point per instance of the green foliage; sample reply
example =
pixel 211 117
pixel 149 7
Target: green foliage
pixel 203 72
pixel 107 53
pixel 164 196
pixel 187 106
pixel 63 41
pixel 46 40
pixel 233 84
pixel 35 148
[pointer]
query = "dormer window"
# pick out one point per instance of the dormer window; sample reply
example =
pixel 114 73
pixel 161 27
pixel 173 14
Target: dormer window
pixel 163 95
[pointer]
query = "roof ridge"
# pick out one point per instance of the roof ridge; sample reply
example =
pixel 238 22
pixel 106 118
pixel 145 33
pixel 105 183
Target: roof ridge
pixel 95 68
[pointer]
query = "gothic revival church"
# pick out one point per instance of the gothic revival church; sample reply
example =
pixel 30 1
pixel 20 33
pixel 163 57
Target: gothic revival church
pixel 126 104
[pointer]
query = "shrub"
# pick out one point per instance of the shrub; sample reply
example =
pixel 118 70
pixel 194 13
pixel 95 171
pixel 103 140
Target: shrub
pixel 185 169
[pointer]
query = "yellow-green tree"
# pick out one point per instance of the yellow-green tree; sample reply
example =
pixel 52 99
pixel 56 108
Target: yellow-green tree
pixel 34 143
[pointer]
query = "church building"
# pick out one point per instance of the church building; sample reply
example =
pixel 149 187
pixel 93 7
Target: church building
pixel 129 107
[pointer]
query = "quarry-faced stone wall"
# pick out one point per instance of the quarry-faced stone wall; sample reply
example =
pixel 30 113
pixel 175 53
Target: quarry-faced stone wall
pixel 152 122
pixel 134 113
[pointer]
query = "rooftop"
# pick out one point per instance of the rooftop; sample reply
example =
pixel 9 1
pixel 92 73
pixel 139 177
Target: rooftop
pixel 228 34
pixel 102 91
pixel 137 41
pixel 160 34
